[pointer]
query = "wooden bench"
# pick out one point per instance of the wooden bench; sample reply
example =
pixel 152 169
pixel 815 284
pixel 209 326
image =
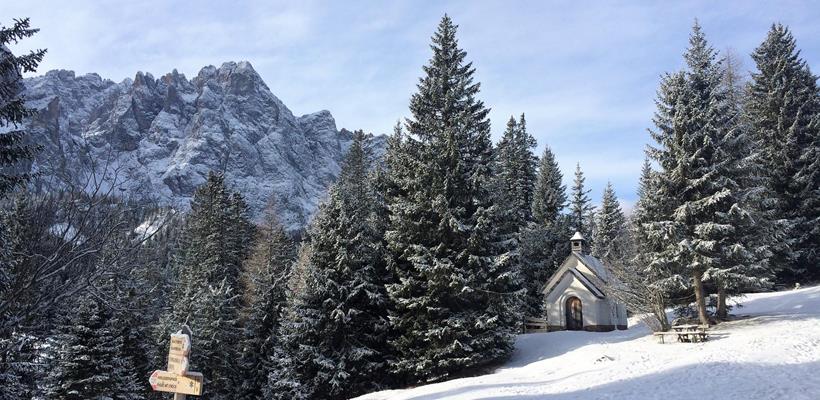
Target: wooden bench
pixel 532 325
pixel 685 335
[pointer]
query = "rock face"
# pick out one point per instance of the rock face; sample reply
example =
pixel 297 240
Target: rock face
pixel 157 139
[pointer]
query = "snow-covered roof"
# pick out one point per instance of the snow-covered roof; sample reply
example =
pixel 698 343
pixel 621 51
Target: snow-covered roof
pixel 577 236
pixel 595 265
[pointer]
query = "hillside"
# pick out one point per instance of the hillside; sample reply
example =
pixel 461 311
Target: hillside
pixel 772 352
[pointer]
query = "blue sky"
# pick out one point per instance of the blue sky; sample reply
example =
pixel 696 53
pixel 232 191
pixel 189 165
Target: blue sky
pixel 585 73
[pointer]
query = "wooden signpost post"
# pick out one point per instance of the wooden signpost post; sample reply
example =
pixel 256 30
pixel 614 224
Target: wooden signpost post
pixel 177 379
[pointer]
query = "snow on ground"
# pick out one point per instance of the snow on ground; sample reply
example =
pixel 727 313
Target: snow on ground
pixel 773 353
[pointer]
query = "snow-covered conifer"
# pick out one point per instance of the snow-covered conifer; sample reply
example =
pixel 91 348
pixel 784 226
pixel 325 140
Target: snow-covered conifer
pixel 550 195
pixel 694 135
pixel 456 286
pixel 609 228
pixel 783 106
pixel 206 294
pixel 13 145
pixel 334 336
pixel 87 359
pixel 266 275
pixel 581 207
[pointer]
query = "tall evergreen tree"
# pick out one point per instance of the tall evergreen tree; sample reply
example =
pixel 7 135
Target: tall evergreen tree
pixel 581 207
pixel 653 262
pixel 783 107
pixel 206 295
pixel 335 332
pixel 14 147
pixel 544 242
pixel 16 350
pixel 515 173
pixel 88 359
pixel 746 234
pixel 695 140
pixel 609 228
pixel 542 249
pixel 266 276
pixel 550 194
pixel 455 288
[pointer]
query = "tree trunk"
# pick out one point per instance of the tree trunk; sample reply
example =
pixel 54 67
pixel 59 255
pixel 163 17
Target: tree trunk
pixel 700 301
pixel 722 312
pixel 660 314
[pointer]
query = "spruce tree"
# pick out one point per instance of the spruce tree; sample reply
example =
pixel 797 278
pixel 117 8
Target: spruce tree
pixel 542 249
pixel 581 207
pixel 87 357
pixel 515 173
pixel 550 195
pixel 207 295
pixel 334 335
pixel 266 276
pixel 455 291
pixel 783 108
pixel 693 133
pixel 609 228
pixel 544 243
pixel 19 368
pixel 746 234
pixel 653 262
pixel 17 352
pixel 15 147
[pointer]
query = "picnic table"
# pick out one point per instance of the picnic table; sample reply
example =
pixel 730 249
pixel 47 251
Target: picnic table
pixel 685 333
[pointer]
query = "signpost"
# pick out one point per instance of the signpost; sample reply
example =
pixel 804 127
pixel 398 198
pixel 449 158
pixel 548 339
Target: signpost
pixel 177 379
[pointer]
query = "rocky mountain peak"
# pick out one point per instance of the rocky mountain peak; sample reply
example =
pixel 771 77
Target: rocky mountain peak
pixel 165 134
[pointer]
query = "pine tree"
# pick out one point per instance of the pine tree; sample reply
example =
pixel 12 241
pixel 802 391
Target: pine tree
pixel 335 332
pixel 645 282
pixel 542 248
pixel 88 359
pixel 515 179
pixel 693 133
pixel 609 228
pixel 544 242
pixel 456 289
pixel 289 377
pixel 19 368
pixel 783 107
pixel 14 146
pixel 550 195
pixel 17 350
pixel 515 174
pixel 266 276
pixel 581 207
pixel 746 237
pixel 206 295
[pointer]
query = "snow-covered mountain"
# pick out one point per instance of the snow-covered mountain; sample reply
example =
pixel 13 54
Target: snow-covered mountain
pixel 163 135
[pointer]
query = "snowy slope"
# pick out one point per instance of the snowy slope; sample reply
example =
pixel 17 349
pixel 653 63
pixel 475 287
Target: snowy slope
pixel 772 354
pixel 163 135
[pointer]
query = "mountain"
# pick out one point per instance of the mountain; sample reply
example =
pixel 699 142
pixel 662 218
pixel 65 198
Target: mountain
pixel 157 138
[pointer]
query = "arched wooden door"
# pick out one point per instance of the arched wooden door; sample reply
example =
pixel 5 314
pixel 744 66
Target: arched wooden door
pixel 575 315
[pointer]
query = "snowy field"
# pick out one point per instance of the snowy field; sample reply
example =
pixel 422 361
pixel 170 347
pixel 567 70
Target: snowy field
pixel 774 353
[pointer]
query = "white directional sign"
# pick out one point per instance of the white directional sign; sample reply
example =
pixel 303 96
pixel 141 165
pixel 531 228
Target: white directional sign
pixel 178 353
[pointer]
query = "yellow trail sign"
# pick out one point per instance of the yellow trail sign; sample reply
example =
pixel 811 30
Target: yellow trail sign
pixel 164 381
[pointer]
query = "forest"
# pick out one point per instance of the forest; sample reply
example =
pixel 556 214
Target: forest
pixel 418 266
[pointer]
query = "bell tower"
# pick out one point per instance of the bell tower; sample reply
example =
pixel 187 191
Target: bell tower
pixel 577 240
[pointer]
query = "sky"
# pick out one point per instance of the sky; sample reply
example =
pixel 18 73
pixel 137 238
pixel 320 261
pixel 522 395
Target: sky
pixel 584 73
